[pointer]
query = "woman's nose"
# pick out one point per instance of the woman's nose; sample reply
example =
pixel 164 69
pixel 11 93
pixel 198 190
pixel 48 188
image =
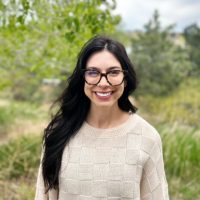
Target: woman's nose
pixel 103 82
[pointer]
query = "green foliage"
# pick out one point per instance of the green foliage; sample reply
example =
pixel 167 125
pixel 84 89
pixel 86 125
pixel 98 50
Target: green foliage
pixel 19 161
pixel 13 111
pixel 46 45
pixel 21 189
pixel 181 107
pixel 183 154
pixel 161 65
pixel 19 157
pixel 6 119
pixel 16 13
pixel 5 116
pixel 192 36
pixel 182 161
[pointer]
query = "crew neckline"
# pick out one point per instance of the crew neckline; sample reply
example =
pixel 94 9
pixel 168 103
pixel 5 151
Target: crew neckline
pixel 113 131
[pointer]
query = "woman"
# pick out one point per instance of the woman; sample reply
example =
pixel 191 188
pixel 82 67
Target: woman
pixel 96 147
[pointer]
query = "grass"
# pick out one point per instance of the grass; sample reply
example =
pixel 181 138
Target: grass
pixel 19 157
pixel 182 162
pixel 13 112
pixel 19 161
pixel 21 189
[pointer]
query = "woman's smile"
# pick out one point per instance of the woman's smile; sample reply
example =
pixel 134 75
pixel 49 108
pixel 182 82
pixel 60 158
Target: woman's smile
pixel 105 96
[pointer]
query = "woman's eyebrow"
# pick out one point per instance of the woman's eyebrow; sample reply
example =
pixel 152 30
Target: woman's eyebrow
pixel 110 68
pixel 114 67
pixel 92 68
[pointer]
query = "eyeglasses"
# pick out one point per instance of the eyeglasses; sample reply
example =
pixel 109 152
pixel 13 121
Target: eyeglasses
pixel 114 77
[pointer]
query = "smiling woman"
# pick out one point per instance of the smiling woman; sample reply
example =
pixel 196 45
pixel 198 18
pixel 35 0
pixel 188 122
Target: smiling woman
pixel 96 146
pixel 104 79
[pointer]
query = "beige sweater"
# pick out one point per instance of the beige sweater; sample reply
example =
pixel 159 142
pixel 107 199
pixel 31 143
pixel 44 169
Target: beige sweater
pixel 121 163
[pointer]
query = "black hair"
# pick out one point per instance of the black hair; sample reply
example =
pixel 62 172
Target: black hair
pixel 74 106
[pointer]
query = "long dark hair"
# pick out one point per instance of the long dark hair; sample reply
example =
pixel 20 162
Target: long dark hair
pixel 74 106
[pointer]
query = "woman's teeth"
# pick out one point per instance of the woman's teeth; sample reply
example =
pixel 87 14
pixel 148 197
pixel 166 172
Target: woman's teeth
pixel 105 94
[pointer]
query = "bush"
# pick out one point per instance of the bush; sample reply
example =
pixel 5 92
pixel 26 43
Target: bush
pixel 20 157
pixel 19 161
pixel 182 106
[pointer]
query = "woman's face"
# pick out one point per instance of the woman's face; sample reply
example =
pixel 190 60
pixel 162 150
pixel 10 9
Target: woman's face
pixel 103 94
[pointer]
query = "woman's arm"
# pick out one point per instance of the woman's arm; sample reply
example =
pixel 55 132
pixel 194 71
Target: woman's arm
pixel 40 188
pixel 153 184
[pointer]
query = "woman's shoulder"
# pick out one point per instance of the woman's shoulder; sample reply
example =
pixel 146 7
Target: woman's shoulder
pixel 143 128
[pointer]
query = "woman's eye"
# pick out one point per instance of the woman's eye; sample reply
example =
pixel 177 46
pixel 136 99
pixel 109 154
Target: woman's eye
pixel 92 73
pixel 114 72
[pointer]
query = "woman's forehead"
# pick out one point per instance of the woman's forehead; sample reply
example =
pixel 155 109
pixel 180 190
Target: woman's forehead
pixel 103 59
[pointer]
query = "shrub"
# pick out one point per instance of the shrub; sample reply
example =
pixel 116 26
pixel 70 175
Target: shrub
pixel 181 106
pixel 20 157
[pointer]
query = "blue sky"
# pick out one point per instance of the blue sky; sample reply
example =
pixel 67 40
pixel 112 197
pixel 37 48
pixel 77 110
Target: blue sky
pixel 136 13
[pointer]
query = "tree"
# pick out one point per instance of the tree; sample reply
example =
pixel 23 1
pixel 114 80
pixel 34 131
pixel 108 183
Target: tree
pixel 192 36
pixel 160 64
pixel 45 44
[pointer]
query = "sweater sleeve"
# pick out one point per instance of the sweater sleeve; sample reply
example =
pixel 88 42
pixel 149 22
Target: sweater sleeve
pixel 40 188
pixel 153 183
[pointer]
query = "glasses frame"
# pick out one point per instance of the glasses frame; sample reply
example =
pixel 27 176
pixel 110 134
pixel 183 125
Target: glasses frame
pixel 104 75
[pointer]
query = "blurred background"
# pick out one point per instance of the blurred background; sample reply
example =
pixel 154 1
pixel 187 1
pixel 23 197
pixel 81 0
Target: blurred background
pixel 39 43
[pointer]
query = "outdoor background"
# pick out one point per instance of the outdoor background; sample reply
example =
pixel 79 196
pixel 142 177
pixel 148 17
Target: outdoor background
pixel 39 43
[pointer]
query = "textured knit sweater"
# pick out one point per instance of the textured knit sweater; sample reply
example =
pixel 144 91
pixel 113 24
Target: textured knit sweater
pixel 120 163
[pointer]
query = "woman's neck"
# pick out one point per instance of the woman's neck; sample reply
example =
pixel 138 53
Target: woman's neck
pixel 106 117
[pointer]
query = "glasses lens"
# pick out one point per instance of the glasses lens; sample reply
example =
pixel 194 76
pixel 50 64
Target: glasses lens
pixel 92 76
pixel 115 77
